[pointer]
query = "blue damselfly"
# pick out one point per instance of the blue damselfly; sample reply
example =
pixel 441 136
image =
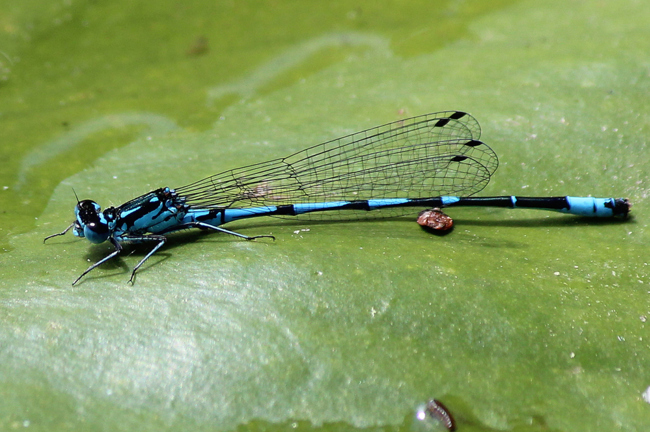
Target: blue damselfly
pixel 434 160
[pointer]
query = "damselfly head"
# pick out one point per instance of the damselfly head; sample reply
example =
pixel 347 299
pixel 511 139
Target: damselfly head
pixel 90 222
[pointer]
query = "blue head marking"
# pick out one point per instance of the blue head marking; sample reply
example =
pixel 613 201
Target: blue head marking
pixel 90 222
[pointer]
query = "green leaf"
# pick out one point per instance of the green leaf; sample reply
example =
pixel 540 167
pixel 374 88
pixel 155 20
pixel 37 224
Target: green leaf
pixel 517 320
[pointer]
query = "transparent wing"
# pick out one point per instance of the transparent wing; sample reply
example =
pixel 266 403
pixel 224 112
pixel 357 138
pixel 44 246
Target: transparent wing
pixel 425 156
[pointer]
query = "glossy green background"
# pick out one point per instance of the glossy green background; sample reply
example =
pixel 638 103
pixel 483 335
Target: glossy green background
pixel 518 320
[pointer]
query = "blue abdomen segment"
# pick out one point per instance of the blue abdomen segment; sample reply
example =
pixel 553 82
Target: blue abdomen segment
pixel 579 206
pixel 587 206
pixel 230 215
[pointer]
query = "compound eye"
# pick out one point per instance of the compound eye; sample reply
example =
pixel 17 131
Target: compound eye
pixel 87 211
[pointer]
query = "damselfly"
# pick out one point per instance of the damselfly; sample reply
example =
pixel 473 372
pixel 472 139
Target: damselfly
pixel 434 160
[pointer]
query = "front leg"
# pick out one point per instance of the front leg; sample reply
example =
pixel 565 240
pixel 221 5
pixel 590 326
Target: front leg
pixel 118 249
pixel 59 234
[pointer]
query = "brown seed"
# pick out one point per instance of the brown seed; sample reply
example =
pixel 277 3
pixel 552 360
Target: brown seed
pixel 435 219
